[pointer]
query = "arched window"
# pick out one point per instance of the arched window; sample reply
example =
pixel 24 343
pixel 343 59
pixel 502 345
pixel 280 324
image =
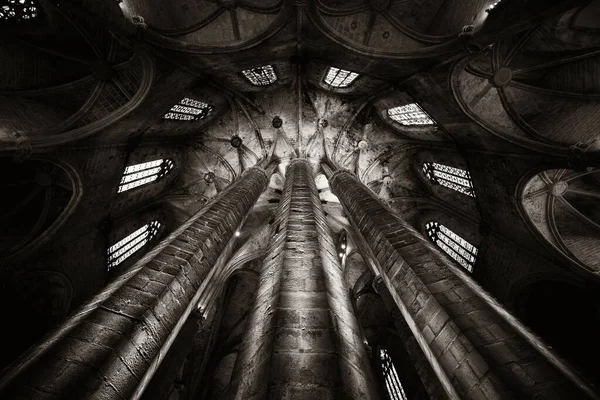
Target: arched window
pixel 450 177
pixel 261 76
pixel 18 10
pixel 189 110
pixel 120 251
pixel 340 78
pixel 456 247
pixel 140 174
pixel 392 382
pixel 410 114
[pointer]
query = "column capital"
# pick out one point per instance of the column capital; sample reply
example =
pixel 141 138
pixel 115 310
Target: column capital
pixel 298 160
pixel 341 171
pixel 262 171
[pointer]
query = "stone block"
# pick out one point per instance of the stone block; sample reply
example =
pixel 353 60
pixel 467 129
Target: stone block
pixel 315 318
pixel 317 340
pixel 287 339
pixel 303 393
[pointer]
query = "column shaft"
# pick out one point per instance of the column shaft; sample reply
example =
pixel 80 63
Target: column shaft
pixel 475 352
pixel 303 339
pixel 112 345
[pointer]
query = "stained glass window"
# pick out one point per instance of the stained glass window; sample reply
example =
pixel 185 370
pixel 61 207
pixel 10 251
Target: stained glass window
pixel 261 76
pixel 450 177
pixel 340 78
pixel 18 10
pixel 120 251
pixel 456 247
pixel 392 382
pixel 189 110
pixel 141 174
pixel 410 114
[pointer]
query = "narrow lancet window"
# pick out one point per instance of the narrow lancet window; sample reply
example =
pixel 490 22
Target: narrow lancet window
pixel 456 247
pixel 261 76
pixel 120 251
pixel 18 10
pixel 450 177
pixel 410 114
pixel 340 78
pixel 189 110
pixel 392 382
pixel 141 174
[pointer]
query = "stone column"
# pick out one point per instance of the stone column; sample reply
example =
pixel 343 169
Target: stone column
pixel 111 346
pixel 303 339
pixel 430 381
pixel 476 348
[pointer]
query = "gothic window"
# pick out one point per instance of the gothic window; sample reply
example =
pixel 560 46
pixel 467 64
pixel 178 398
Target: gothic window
pixel 392 382
pixel 410 114
pixel 340 78
pixel 189 110
pixel 141 174
pixel 456 247
pixel 450 177
pixel 18 10
pixel 261 76
pixel 120 251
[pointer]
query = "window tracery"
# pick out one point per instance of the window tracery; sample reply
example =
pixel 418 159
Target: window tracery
pixel 392 382
pixel 456 247
pixel 189 110
pixel 453 178
pixel 410 114
pixel 261 76
pixel 18 10
pixel 141 174
pixel 124 248
pixel 340 78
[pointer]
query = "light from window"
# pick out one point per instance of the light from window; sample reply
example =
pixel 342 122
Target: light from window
pixel 410 114
pixel 141 174
pixel 260 76
pixel 18 10
pixel 456 247
pixel 189 110
pixel 493 6
pixel 340 78
pixel 392 382
pixel 450 177
pixel 120 251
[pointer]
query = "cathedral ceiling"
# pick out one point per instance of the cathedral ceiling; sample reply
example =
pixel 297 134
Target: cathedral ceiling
pixel 89 79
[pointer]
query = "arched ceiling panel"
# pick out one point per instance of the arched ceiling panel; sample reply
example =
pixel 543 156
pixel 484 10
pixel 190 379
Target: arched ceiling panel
pixel 220 31
pixel 24 66
pixel 359 30
pixel 206 26
pixel 555 119
pixel 44 193
pixel 252 24
pixel 428 20
pixel 536 88
pixel 173 16
pixel 560 205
